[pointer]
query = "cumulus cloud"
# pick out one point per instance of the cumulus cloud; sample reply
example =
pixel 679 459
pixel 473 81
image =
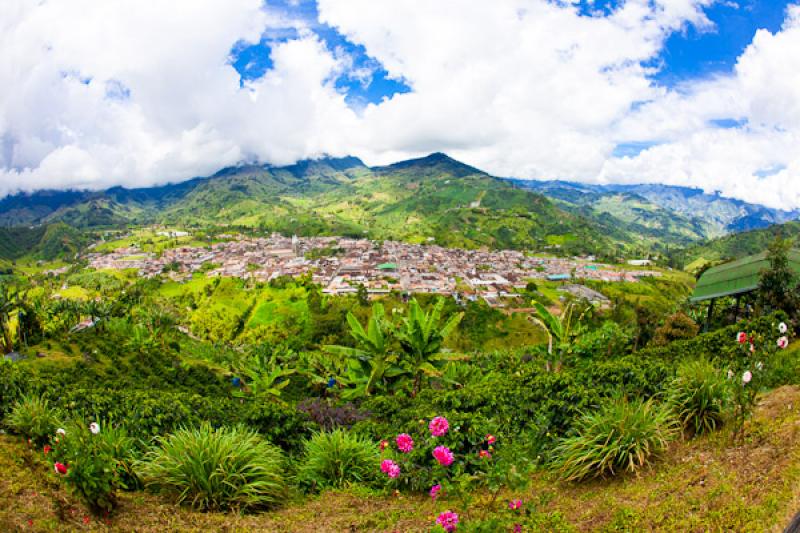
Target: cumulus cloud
pixel 138 93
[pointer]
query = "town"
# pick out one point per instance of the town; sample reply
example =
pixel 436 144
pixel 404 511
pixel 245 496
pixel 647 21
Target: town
pixel 341 265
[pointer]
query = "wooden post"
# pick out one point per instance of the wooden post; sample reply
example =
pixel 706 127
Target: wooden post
pixel 710 314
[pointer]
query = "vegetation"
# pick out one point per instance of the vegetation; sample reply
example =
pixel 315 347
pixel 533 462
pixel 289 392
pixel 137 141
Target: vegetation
pixel 700 397
pixel 336 459
pixel 622 436
pixel 34 418
pixel 211 469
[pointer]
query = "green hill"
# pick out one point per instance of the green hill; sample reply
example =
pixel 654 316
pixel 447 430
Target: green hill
pixel 47 242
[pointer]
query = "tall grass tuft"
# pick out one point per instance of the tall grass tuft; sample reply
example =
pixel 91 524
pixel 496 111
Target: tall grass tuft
pixel 699 397
pixel 33 417
pixel 338 458
pixel 622 435
pixel 217 469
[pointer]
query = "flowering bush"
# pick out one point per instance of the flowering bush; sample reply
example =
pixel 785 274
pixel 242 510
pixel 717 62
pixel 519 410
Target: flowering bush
pixel 751 371
pixel 91 463
pixel 451 474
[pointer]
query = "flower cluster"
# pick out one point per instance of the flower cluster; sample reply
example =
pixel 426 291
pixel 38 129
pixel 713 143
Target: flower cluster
pixel 405 443
pixel 439 426
pixel 390 468
pixel 448 520
pixel 443 455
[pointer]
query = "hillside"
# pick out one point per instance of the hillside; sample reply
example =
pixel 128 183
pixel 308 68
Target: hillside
pixel 678 213
pixel 737 245
pixel 45 242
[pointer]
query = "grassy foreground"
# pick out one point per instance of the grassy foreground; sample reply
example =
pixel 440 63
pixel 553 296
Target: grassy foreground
pixel 701 485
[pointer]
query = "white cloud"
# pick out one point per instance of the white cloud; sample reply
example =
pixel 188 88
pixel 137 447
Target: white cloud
pixel 97 93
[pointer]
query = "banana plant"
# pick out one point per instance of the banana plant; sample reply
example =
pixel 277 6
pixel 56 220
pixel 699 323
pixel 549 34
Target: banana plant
pixel 264 376
pixel 561 330
pixel 421 339
pixel 370 363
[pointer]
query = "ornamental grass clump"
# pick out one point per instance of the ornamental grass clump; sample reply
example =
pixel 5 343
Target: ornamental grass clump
pixel 217 469
pixel 34 418
pixel 338 458
pixel 699 397
pixel 621 436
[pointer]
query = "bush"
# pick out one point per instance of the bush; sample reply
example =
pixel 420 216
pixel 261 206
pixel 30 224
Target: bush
pixel 10 386
pixel 217 469
pixel 676 327
pixel 338 458
pixel 329 416
pixel 95 463
pixel 622 435
pixel 33 417
pixel 699 397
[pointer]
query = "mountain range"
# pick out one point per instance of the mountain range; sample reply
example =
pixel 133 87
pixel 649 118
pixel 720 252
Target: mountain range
pixel 430 199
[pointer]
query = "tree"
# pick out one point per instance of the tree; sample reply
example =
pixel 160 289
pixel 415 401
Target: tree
pixel 777 284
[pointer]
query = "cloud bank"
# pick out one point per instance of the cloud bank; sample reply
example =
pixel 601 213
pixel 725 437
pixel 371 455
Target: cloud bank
pixel 135 93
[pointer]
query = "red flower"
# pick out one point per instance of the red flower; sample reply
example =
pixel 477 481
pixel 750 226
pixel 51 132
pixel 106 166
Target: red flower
pixel 484 454
pixel 384 444
pixel 86 520
pixel 60 468
pixel 490 439
pixel 47 449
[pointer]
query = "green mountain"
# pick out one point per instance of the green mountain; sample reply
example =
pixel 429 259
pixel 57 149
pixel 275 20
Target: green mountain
pixel 431 199
pixel 668 212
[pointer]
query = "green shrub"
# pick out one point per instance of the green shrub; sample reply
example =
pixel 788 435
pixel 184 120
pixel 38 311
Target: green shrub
pixel 211 469
pixel 96 463
pixel 33 417
pixel 338 458
pixel 622 435
pixel 11 387
pixel 699 397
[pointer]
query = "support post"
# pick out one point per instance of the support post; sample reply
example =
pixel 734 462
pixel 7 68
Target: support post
pixel 709 315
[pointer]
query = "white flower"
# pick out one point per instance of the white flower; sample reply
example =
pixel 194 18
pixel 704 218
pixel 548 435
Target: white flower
pixel 759 365
pixel 61 431
pixel 783 342
pixel 746 377
pixel 94 427
pixel 730 374
pixel 783 328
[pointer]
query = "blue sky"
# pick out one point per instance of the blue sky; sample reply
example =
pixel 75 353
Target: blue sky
pixel 253 60
pixel 687 55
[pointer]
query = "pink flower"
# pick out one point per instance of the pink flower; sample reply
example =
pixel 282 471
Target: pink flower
pixel 783 342
pixel 741 337
pixel 443 455
pixel 484 454
pixel 517 528
pixel 435 491
pixel 404 442
pixel 752 348
pixel 746 377
pixel 384 444
pixel 439 426
pixel 490 439
pixel 60 468
pixel 448 520
pixel 515 505
pixel 386 465
pixel 394 471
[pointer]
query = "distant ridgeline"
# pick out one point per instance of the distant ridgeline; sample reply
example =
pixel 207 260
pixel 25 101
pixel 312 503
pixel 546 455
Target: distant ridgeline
pixel 431 199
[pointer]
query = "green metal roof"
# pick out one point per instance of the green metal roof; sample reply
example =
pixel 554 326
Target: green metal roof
pixel 737 277
pixel 387 266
